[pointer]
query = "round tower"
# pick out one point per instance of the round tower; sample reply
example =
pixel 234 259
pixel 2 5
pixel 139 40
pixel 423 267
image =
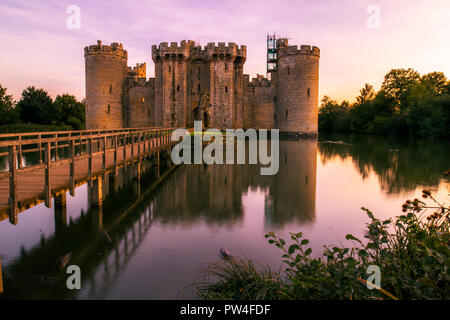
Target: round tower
pixel 297 90
pixel 106 70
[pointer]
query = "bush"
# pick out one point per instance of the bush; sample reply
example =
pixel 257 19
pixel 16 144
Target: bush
pixel 411 250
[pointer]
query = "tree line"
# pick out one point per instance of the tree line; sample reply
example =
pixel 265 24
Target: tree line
pixel 37 111
pixel 406 104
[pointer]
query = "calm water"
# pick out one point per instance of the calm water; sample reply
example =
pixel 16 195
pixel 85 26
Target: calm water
pixel 163 237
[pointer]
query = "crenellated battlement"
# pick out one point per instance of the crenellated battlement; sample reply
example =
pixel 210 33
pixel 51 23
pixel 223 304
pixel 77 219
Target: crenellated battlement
pixel 293 50
pixel 259 81
pixel 225 52
pixel 164 50
pixel 194 82
pixel 115 49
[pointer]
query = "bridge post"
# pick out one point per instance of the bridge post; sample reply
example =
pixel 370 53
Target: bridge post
pixel 40 149
pixel 144 140
pixel 48 163
pixel 56 147
pixel 139 146
pixel 72 167
pixel 124 139
pixel 60 212
pixel 115 154
pixel 90 169
pixel 149 143
pixel 20 152
pixel 97 193
pixel 13 184
pixel 104 156
pixel 132 149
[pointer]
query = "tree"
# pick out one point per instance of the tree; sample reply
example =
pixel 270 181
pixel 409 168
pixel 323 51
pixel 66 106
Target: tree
pixel 366 94
pixel 36 106
pixel 427 113
pixel 436 81
pixel 8 114
pixel 334 116
pixel 397 84
pixel 70 110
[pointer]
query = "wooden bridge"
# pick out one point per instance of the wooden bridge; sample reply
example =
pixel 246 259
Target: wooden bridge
pixel 42 165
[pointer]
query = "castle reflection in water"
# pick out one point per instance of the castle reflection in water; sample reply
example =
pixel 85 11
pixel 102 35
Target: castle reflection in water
pixel 214 193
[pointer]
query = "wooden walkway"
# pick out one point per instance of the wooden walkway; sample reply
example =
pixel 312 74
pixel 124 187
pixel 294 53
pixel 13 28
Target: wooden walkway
pixel 90 154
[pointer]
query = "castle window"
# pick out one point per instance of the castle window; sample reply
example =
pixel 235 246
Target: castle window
pixel 289 70
pixel 110 88
pixel 169 68
pixel 286 113
pixel 109 109
pixel 178 88
pixel 275 116
pixel 275 99
pixel 143 99
pixel 226 88
pixel 308 92
pixel 226 66
pixel 198 89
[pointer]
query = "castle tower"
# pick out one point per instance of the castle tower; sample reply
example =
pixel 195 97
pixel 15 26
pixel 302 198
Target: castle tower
pixel 226 84
pixel 297 82
pixel 171 85
pixel 106 70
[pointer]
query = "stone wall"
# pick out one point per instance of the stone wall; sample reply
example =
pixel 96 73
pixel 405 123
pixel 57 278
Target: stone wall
pixel 141 105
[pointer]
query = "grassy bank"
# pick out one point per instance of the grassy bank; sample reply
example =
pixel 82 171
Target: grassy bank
pixel 412 252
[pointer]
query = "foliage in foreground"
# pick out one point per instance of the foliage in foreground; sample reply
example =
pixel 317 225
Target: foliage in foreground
pixel 411 250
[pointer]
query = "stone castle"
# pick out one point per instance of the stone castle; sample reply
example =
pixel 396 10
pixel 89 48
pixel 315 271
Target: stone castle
pixel 202 83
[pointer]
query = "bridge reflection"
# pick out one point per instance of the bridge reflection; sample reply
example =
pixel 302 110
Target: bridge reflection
pixel 104 240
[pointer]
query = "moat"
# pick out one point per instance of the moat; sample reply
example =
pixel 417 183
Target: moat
pixel 161 235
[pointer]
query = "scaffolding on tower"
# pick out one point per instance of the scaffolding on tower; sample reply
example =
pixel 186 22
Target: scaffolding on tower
pixel 271 53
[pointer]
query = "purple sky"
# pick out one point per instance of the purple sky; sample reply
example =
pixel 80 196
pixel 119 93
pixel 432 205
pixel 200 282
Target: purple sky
pixel 38 48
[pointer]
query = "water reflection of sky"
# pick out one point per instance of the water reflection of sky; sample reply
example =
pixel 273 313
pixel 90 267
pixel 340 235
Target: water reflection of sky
pixel 319 190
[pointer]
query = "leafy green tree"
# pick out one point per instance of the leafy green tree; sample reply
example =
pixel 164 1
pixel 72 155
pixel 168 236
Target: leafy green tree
pixel 366 94
pixel 36 106
pixel 8 113
pixel 397 83
pixel 427 113
pixel 70 110
pixel 436 81
pixel 334 116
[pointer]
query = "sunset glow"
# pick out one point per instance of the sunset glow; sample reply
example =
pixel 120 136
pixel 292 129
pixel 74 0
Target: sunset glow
pixel 39 49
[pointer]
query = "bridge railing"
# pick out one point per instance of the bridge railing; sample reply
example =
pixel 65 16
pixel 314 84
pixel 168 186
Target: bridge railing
pixel 34 142
pixel 72 146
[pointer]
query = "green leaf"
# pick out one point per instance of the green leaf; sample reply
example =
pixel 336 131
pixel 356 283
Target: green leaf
pixel 304 242
pixel 292 248
pixel 351 237
pixel 308 252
